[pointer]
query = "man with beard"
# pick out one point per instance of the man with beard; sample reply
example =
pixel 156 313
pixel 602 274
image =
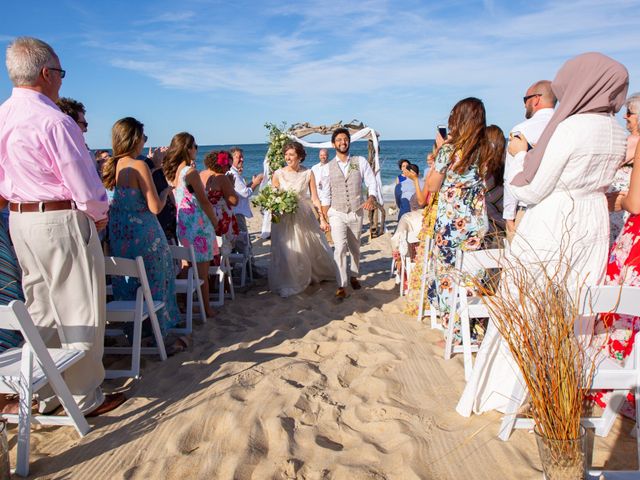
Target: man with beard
pixel 342 204
pixel 539 102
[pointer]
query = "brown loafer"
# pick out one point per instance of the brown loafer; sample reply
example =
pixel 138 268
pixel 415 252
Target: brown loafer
pixel 111 402
pixel 341 293
pixel 355 284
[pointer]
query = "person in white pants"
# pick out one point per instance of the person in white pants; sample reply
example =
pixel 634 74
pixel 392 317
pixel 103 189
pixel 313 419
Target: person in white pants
pixel 342 205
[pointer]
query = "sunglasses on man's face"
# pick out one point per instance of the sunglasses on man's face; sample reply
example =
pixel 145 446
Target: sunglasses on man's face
pixel 528 97
pixel 59 70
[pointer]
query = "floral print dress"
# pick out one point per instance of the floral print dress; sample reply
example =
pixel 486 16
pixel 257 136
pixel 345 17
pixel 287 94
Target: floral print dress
pixel 135 231
pixel 227 227
pixel 615 333
pixel 461 223
pixel 194 227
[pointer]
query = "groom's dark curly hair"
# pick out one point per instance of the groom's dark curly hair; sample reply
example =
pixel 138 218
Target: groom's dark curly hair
pixel 338 131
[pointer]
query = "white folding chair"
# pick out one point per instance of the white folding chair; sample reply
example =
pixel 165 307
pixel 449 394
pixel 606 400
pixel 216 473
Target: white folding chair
pixel 427 274
pixel 465 307
pixel 132 311
pixel 20 374
pixel 190 286
pixel 224 274
pixel 608 374
pixel 406 264
pixel 244 259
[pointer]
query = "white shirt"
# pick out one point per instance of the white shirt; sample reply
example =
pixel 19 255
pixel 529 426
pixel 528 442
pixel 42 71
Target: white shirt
pixel 365 171
pixel 317 172
pixel 243 191
pixel 532 129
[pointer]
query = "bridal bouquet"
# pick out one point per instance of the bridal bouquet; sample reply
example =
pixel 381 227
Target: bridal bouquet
pixel 277 202
pixel 277 139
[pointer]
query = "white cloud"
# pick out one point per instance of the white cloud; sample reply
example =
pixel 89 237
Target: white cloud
pixel 361 48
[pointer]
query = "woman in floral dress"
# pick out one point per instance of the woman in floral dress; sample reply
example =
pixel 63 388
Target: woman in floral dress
pixel 222 195
pixel 134 229
pixel 196 218
pixel 618 216
pixel 613 332
pixel 461 219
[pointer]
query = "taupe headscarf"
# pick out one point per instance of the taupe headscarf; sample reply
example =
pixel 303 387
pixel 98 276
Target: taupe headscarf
pixel 588 83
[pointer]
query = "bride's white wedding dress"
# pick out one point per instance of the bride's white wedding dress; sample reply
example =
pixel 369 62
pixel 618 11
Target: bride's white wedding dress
pixel 300 254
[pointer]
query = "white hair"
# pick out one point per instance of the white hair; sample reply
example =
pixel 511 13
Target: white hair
pixel 26 56
pixel 634 101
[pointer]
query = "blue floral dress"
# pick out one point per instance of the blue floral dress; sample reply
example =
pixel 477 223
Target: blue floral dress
pixel 135 231
pixel 194 227
pixel 461 222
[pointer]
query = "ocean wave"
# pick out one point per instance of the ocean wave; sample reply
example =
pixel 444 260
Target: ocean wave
pixel 388 192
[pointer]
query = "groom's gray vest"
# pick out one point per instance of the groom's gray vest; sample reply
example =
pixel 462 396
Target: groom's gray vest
pixel 346 192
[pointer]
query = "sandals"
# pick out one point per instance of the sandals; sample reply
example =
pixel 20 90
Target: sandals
pixel 177 344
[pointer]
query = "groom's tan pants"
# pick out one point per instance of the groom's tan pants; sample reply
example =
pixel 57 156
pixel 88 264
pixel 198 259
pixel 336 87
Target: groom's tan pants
pixel 345 230
pixel 64 287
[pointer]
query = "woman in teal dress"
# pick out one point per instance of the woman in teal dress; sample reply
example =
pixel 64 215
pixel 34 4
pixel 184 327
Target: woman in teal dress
pixel 133 226
pixel 10 283
pixel 461 164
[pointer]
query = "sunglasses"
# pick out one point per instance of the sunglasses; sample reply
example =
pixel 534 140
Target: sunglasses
pixel 84 124
pixel 59 70
pixel 629 113
pixel 145 138
pixel 195 145
pixel 528 97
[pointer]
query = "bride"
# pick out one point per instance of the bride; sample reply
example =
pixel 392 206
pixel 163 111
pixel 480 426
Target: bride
pixel 300 254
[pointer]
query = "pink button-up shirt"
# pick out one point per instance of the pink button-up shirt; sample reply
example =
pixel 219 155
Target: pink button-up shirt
pixel 43 155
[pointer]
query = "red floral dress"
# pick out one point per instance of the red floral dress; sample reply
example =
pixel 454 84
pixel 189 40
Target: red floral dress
pixel 616 332
pixel 227 227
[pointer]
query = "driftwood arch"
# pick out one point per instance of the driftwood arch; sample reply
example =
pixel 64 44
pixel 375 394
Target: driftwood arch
pixel 358 131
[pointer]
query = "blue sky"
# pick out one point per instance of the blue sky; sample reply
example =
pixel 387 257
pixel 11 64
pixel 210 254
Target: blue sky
pixel 220 69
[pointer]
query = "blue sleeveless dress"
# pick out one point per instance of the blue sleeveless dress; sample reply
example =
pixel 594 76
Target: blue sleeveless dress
pixel 135 231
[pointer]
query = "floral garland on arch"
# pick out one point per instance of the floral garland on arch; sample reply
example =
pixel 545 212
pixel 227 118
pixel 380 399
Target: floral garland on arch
pixel 277 139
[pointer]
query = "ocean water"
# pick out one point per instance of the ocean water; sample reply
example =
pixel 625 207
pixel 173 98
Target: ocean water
pixel 390 152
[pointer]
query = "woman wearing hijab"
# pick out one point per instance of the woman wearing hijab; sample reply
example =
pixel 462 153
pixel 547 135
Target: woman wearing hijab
pixel 563 182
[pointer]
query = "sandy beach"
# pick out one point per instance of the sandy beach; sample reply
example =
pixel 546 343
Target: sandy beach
pixel 302 388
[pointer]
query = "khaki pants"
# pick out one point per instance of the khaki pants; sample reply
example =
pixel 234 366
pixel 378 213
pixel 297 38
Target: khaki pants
pixel 345 230
pixel 64 287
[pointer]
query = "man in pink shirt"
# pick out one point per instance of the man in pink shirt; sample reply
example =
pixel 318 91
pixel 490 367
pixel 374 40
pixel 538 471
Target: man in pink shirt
pixel 57 204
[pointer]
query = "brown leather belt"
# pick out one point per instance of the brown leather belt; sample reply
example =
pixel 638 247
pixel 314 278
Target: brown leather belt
pixel 47 206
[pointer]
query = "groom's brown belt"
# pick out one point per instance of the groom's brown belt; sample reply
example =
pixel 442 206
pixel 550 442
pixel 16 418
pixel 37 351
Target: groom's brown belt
pixel 46 206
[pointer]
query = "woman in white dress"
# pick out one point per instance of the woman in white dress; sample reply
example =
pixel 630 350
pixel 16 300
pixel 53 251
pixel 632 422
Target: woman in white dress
pixel 300 254
pixel 563 183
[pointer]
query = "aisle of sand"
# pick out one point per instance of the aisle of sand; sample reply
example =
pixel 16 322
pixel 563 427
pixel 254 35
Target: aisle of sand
pixel 302 388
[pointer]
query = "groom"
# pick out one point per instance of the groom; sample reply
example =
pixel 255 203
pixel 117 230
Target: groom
pixel 342 204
